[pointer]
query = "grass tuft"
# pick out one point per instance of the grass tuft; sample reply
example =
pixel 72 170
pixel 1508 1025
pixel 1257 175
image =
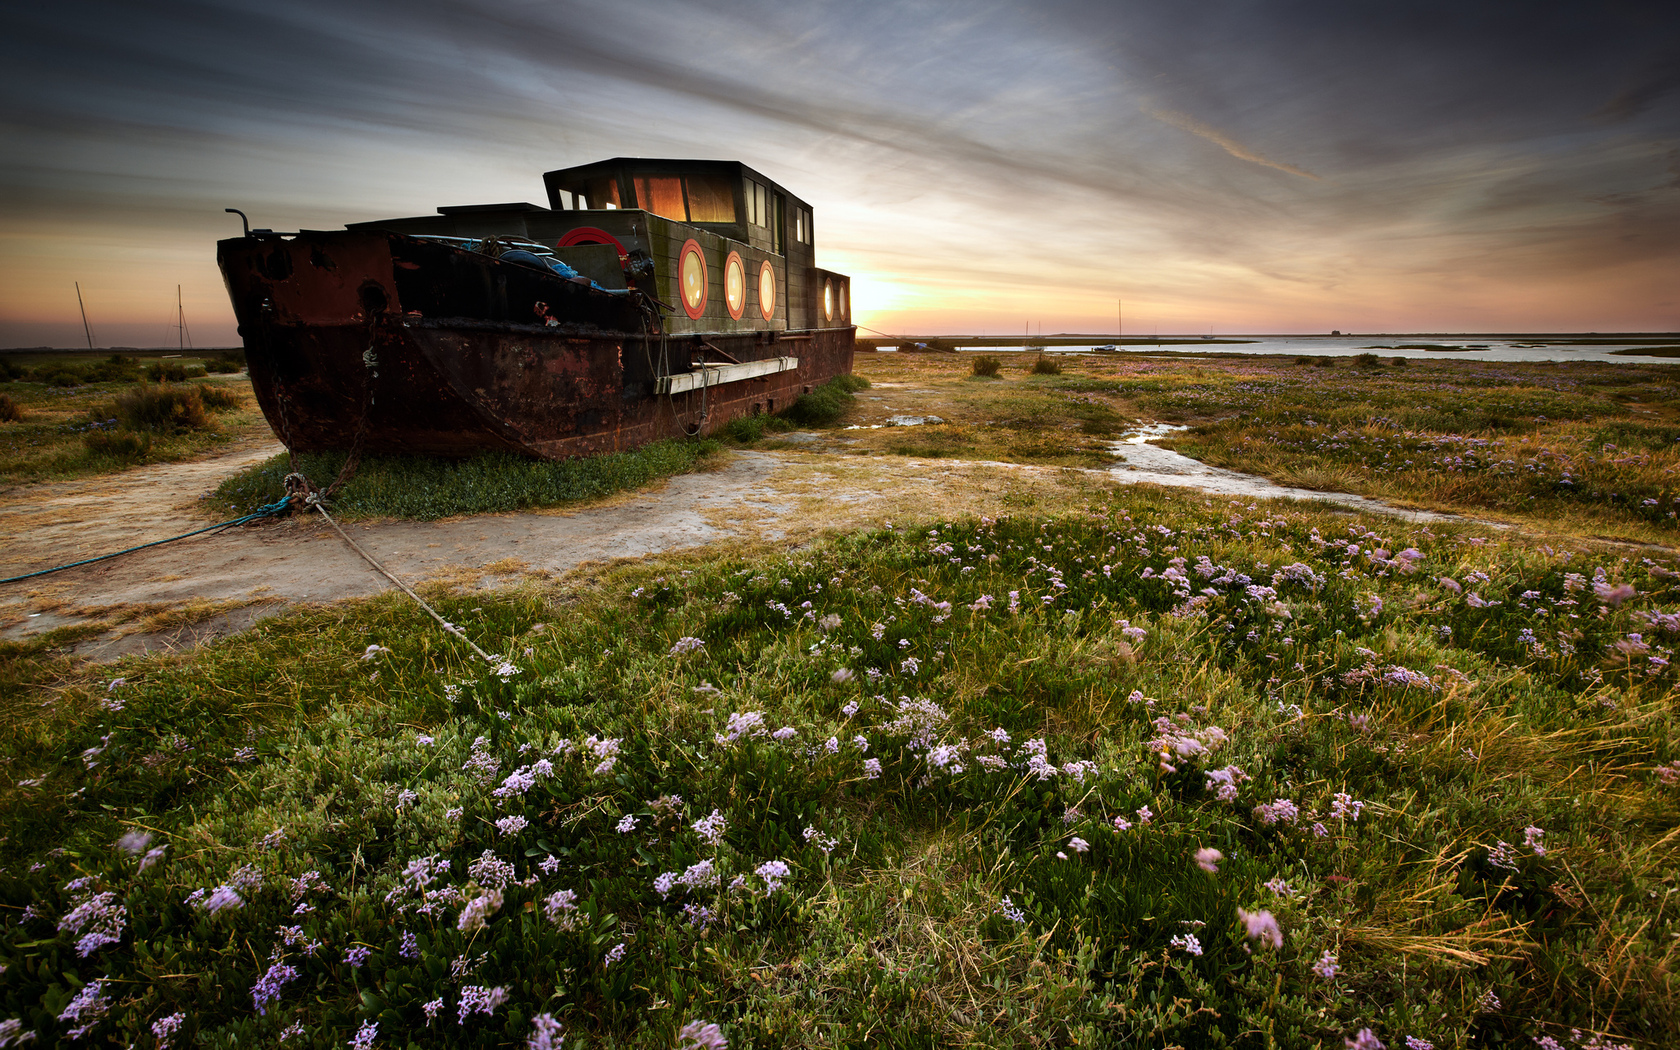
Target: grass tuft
pixel 162 410
pixel 425 489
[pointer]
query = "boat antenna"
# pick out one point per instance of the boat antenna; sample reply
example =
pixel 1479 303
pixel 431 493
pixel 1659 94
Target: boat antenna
pixel 243 220
pixel 85 327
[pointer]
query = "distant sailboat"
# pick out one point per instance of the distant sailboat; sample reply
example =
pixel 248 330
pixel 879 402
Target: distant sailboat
pixel 183 338
pixel 86 328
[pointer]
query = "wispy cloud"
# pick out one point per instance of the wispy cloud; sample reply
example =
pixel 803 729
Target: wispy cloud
pixel 1225 142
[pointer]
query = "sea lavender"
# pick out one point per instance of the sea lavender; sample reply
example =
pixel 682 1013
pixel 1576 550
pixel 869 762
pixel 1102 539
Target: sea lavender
pixel 163 1029
pixel 270 985
pixel 87 1009
pixel 364 1036
pixel 545 1033
pixel 1262 927
pixel 699 1035
pixel 478 998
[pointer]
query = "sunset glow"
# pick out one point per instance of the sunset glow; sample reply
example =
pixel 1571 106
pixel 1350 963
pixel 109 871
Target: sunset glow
pixel 1225 167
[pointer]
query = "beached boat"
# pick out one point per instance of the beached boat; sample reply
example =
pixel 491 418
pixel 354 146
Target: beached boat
pixel 650 299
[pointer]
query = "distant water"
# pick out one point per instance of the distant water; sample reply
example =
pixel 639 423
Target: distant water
pixel 1499 349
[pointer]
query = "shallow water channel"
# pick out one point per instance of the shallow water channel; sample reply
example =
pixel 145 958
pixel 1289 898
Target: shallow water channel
pixel 1162 466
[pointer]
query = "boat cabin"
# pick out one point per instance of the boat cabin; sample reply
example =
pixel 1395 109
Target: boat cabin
pixel 731 250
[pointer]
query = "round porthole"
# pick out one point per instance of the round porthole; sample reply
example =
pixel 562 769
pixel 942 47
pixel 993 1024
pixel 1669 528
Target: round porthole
pixel 767 291
pixel 734 285
pixel 828 300
pixel 691 278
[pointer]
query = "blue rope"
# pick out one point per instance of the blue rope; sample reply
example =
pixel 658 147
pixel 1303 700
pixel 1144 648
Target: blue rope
pixel 267 511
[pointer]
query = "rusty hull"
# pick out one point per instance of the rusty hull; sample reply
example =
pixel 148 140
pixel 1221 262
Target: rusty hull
pixel 396 344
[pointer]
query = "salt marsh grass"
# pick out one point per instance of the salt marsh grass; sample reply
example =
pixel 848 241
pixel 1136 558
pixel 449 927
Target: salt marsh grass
pixel 1592 447
pixel 426 489
pixel 1169 771
pixel 78 418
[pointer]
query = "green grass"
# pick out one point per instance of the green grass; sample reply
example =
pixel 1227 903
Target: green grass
pixel 105 422
pixel 1317 667
pixel 823 407
pixel 425 488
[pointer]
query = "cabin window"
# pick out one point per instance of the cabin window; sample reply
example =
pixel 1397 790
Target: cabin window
pixel 711 198
pixel 757 212
pixel 802 225
pixel 603 193
pixel 662 195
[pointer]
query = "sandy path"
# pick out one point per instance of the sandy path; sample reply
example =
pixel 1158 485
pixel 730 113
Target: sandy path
pixel 251 572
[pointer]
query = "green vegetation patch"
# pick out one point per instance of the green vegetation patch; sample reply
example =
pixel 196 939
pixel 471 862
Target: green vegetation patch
pixel 1168 772
pixel 423 488
pixel 100 425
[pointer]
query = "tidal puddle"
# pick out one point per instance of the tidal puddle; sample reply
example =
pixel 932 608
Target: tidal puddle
pixel 897 421
pixel 1161 466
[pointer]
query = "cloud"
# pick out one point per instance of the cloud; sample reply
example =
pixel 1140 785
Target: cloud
pixel 1225 142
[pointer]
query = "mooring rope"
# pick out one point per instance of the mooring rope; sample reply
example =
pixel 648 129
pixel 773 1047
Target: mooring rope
pixel 268 511
pixel 315 501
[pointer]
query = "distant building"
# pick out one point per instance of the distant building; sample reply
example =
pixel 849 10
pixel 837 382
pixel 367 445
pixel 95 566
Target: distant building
pixel 1334 332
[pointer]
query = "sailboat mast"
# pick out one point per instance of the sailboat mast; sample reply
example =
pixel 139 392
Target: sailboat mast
pixel 83 306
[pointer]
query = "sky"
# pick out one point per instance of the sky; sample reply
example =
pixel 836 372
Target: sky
pixel 1216 166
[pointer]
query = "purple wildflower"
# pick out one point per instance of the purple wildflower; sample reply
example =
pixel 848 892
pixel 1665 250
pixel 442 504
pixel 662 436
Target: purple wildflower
pixel 1326 966
pixel 357 956
pixel 1208 859
pixel 409 947
pixel 478 911
pixel 871 768
pixel 101 917
pixel 614 954
pixel 269 986
pixel 772 872
pixel 1010 911
pixel 686 645
pixel 364 1035
pixel 1078 845
pixel 699 1035
pixel 87 1009
pixel 1365 1040
pixel 1344 806
pixel 711 828
pixel 1187 943
pixel 134 842
pixel 512 825
pixel 164 1028
pixel 1531 839
pixel 545 1033
pixel 477 998
pixel 1262 927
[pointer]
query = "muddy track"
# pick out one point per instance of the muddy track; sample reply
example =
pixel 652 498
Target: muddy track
pixel 231 579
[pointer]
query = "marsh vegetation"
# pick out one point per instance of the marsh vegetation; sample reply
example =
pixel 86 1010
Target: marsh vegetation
pixel 1129 768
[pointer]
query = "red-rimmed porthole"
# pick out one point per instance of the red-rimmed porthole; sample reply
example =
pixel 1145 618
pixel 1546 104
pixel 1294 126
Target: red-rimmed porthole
pixel 691 278
pixel 767 291
pixel 735 285
pixel 590 235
